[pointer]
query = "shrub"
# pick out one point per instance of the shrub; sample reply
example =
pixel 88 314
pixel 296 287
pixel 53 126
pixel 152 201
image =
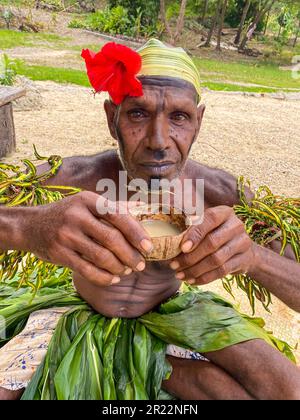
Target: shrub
pixel 76 23
pixel 150 10
pixel 113 21
pixel 8 16
pixel 8 70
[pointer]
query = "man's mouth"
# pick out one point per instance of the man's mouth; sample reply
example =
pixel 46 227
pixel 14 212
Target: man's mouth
pixel 156 168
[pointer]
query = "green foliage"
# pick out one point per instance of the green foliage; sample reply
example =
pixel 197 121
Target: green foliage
pixel 8 70
pixel 149 9
pixel 113 21
pixel 234 12
pixel 7 15
pixel 118 21
pixel 77 23
pixel 97 358
pixel 17 188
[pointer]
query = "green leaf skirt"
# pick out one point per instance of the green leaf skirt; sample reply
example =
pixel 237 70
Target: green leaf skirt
pixel 98 358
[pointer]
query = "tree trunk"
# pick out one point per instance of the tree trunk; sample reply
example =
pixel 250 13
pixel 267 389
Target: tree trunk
pixel 204 11
pixel 267 22
pixel 180 20
pixel 279 32
pixel 242 22
pixel 296 37
pixel 213 25
pixel 266 7
pixel 164 18
pixel 221 24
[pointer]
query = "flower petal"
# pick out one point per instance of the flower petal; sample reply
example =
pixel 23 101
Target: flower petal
pixel 113 70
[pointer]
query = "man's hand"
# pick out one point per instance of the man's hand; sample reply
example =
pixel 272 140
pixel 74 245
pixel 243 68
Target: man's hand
pixel 216 247
pixel 71 233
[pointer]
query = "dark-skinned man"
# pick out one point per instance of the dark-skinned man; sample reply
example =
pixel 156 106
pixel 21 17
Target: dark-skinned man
pixel 155 128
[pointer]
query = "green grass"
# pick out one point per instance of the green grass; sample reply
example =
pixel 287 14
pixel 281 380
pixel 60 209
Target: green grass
pixel 78 77
pixel 59 75
pixel 268 75
pixel 12 2
pixel 12 39
pixel 227 87
pixel 92 47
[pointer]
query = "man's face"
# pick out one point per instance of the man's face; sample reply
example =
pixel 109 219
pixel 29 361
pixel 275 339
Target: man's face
pixel 156 131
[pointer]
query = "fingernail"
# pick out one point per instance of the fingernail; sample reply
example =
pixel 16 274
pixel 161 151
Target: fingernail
pixel 115 280
pixel 128 271
pixel 141 266
pixel 174 265
pixel 146 245
pixel 187 246
pixel 180 276
pixel 191 281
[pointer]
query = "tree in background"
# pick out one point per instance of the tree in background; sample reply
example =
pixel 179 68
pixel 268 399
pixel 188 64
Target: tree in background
pixel 265 7
pixel 205 10
pixel 213 23
pixel 297 34
pixel 174 35
pixel 242 22
pixel 221 23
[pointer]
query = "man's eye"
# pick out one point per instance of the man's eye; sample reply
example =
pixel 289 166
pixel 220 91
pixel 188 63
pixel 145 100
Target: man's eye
pixel 179 116
pixel 136 114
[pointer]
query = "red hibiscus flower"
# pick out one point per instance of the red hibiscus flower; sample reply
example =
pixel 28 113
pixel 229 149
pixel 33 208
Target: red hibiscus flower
pixel 114 70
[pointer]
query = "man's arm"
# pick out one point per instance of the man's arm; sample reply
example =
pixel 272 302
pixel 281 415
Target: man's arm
pixel 279 275
pixel 76 232
pixel 12 227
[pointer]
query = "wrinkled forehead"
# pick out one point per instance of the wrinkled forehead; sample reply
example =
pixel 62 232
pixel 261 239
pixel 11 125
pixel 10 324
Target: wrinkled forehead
pixel 175 86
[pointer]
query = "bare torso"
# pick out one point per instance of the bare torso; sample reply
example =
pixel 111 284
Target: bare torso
pixel 138 292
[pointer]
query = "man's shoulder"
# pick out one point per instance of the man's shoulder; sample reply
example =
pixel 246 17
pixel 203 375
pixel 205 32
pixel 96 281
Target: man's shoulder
pixel 89 169
pixel 98 163
pixel 85 171
pixel 220 186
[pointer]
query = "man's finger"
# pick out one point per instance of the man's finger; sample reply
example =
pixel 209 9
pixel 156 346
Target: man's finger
pixel 214 261
pixel 132 230
pixel 232 266
pixel 126 223
pixel 99 256
pixel 212 241
pixel 111 237
pixel 213 217
pixel 89 272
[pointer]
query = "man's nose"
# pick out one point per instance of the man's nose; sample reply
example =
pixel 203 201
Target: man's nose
pixel 158 138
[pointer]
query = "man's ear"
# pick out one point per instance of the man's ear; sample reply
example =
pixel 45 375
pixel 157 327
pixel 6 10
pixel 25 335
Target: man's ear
pixel 200 113
pixel 111 111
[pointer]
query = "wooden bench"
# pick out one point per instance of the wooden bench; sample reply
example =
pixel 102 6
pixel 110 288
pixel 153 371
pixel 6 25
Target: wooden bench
pixel 7 128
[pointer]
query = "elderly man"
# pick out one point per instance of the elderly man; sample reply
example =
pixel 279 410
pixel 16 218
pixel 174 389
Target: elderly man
pixel 155 118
